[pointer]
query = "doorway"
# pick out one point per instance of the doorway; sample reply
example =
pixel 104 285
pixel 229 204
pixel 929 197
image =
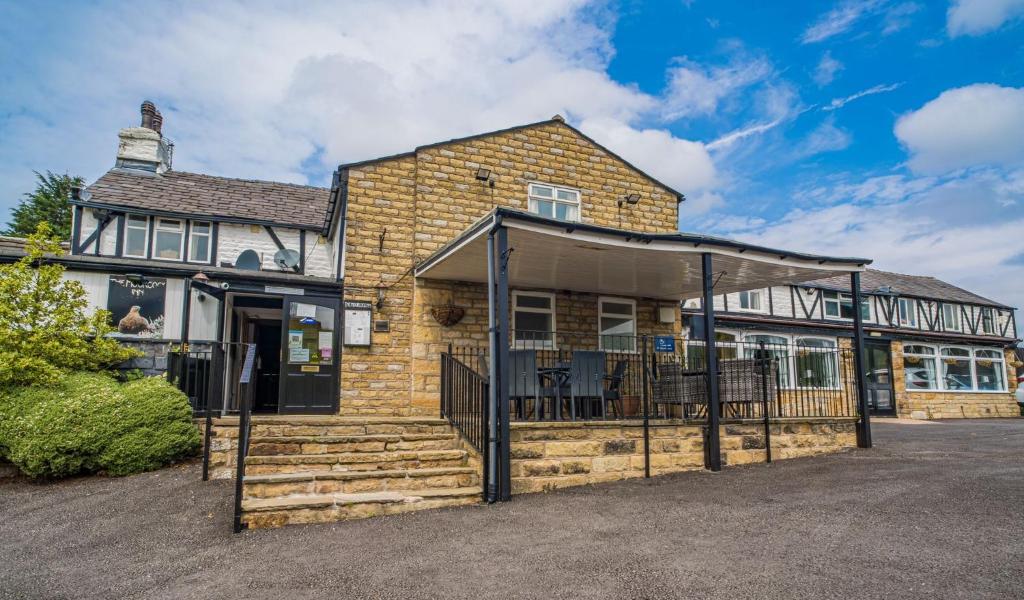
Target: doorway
pixel 256 320
pixel 879 378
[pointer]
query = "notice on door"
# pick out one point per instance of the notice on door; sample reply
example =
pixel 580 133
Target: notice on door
pixel 298 355
pixel 294 338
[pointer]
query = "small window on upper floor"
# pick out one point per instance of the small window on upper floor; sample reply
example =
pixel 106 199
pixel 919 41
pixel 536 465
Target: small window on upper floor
pixel 838 305
pixel 136 236
pixel 988 321
pixel 951 317
pixel 554 202
pixel 752 301
pixel 168 239
pixel 199 242
pixel 908 312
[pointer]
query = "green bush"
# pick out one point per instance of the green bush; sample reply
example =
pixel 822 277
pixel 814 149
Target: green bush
pixel 89 422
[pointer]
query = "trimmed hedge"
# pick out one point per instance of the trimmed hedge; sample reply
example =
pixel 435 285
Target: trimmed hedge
pixel 89 422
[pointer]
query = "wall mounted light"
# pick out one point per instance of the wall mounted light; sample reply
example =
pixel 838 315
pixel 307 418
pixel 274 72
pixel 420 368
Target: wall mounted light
pixel 483 174
pixel 380 297
pixel 631 199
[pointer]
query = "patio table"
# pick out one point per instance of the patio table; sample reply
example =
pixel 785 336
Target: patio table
pixel 559 376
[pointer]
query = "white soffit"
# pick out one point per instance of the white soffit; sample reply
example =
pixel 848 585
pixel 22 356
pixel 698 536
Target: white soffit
pixel 553 258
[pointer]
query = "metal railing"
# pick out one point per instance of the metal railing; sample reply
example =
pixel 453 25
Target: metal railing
pixel 464 403
pixel 191 371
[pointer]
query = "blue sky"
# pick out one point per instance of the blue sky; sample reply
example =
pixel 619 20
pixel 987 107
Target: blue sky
pixel 889 129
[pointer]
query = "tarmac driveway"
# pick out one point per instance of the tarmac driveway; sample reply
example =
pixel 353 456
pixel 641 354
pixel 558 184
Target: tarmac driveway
pixel 935 510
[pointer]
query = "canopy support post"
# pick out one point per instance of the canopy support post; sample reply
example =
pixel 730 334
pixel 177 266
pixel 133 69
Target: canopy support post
pixel 500 356
pixel 712 441
pixel 864 425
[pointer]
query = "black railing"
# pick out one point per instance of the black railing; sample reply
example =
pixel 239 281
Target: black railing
pixel 191 371
pixel 464 403
pixel 586 377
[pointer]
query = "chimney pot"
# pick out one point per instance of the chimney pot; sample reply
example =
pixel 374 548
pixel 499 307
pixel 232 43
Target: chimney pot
pixel 158 122
pixel 148 112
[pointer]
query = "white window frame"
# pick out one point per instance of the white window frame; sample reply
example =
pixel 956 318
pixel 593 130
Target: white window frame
pixel 972 359
pixel 834 350
pixel 531 198
pixel 145 233
pixel 956 314
pixel 209 240
pixel 759 294
pixel 840 297
pixel 601 314
pixel 908 317
pixel 157 229
pixel 546 344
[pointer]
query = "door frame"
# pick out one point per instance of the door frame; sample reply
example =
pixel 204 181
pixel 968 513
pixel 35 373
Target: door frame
pixel 335 303
pixel 885 344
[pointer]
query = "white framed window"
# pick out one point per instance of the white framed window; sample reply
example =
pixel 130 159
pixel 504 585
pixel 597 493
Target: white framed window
pixel 554 202
pixel 199 241
pixel 988 321
pixel 533 319
pixel 954 369
pixel 616 323
pixel 919 367
pixel 168 239
pixel 752 301
pixel 951 317
pixel 989 370
pixel 908 312
pixel 840 306
pixel 136 235
pixel 816 364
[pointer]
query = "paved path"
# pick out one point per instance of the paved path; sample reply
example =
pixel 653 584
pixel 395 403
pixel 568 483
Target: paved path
pixel 932 512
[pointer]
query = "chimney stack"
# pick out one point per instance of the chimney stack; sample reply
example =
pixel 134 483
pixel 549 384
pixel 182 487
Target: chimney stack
pixel 143 148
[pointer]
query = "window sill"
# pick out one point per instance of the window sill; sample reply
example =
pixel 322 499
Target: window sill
pixel 919 391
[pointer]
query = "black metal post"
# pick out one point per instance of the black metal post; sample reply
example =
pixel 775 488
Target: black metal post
pixel 491 483
pixel 644 397
pixel 243 443
pixel 763 359
pixel 186 315
pixel 864 425
pixel 501 357
pixel 713 448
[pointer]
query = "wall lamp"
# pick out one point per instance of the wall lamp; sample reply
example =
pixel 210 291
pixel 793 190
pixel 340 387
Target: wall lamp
pixel 484 174
pixel 631 200
pixel 135 278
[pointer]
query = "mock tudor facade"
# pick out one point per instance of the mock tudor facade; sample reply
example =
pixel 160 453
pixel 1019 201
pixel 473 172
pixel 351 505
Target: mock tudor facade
pixel 933 350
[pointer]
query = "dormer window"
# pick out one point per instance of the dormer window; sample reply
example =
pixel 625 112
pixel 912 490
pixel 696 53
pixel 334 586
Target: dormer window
pixel 554 202
pixel 136 236
pixel 752 301
pixel 169 239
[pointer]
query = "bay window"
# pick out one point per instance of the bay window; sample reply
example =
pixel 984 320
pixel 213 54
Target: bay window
pixel 954 369
pixel 919 367
pixel 816 362
pixel 533 319
pixel 990 371
pixel 617 324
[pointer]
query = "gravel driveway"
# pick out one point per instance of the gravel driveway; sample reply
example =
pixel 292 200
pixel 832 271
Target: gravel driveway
pixel 935 510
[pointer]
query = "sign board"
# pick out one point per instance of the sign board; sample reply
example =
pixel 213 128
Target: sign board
pixel 250 358
pixel 664 343
pixel 357 323
pixel 287 291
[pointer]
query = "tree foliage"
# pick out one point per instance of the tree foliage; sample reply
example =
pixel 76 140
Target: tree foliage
pixel 49 203
pixel 44 325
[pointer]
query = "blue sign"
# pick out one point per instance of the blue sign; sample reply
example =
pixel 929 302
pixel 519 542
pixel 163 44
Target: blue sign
pixel 308 321
pixel 664 343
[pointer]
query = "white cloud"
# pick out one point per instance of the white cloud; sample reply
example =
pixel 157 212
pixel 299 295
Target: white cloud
pixel 694 89
pixel 897 17
pixel 825 72
pixel 839 20
pixel 838 103
pixel 976 17
pixel 826 137
pixel 981 124
pixel 251 90
pixel 742 134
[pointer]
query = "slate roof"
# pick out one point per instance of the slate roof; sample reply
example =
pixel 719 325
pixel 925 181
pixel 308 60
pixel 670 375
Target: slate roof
pixel 192 194
pixel 907 285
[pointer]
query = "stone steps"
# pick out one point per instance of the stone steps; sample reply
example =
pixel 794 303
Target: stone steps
pixel 320 469
pixel 325 508
pixel 334 444
pixel 355 461
pixel 354 482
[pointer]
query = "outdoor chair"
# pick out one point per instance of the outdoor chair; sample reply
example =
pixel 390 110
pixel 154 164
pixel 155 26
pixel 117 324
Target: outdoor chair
pixel 586 380
pixel 524 383
pixel 743 385
pixel 673 386
pixel 613 393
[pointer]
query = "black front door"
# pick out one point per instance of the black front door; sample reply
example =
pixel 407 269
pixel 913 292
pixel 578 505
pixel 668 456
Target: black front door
pixel 878 362
pixel 309 356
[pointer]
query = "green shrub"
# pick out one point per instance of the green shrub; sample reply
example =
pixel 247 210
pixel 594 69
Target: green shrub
pixel 88 422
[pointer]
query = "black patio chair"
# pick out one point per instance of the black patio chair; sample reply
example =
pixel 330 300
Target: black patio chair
pixel 586 380
pixel 524 383
pixel 613 392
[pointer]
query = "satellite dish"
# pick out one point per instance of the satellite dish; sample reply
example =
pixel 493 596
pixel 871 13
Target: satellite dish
pixel 286 258
pixel 248 260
